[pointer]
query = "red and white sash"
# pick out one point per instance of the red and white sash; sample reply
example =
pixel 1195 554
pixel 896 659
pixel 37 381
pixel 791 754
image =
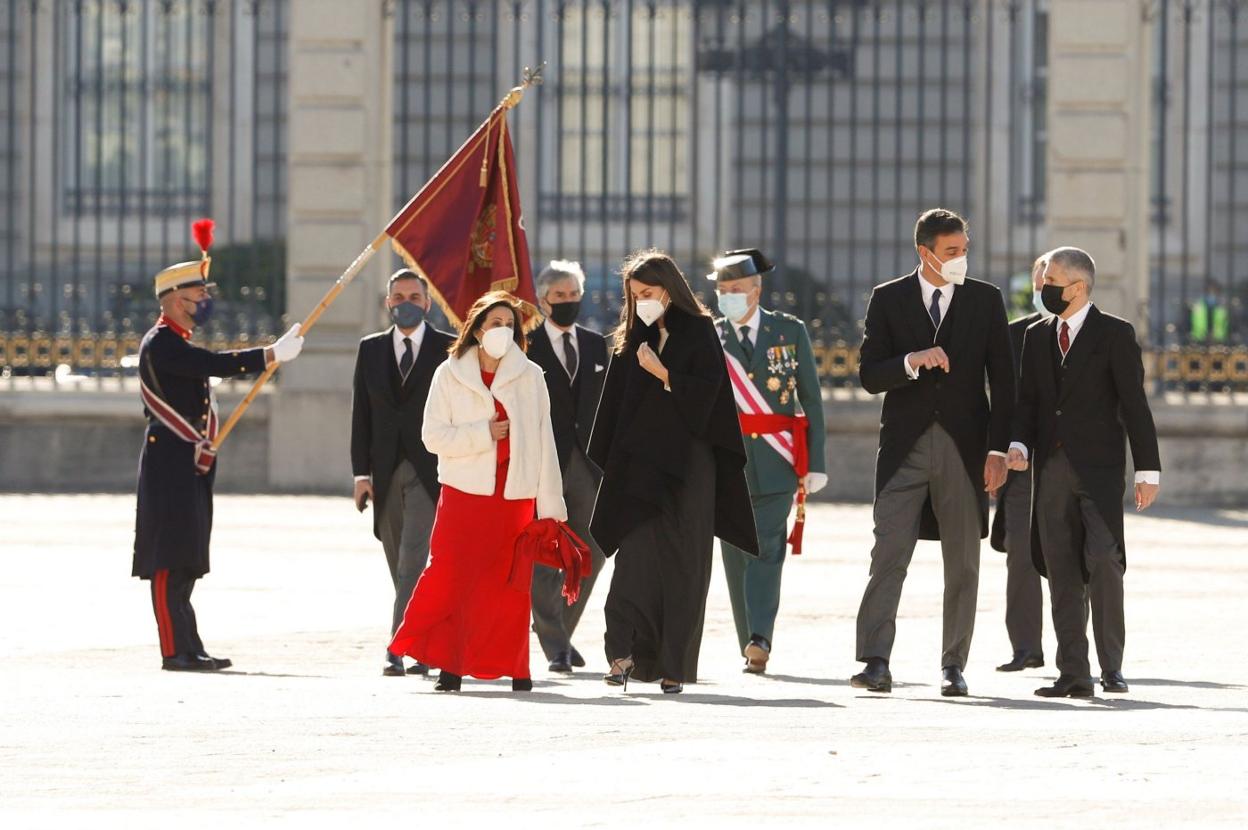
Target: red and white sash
pixel 205 455
pixel 751 402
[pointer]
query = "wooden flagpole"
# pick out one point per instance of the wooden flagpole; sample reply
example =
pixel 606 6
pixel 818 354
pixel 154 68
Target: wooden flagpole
pixel 352 270
pixel 530 78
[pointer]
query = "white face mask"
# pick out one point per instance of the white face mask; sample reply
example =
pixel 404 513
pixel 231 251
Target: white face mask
pixel 650 310
pixel 497 341
pixel 953 270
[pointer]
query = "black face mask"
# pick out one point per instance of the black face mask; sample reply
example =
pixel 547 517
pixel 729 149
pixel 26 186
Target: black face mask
pixel 1051 296
pixel 565 314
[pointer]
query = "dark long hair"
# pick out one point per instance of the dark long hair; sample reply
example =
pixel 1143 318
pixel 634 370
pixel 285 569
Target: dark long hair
pixel 475 318
pixel 653 267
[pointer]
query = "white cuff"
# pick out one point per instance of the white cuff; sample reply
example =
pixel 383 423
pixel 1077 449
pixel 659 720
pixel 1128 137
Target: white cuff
pixel 997 453
pixel 1014 445
pixel 911 372
pixel 363 478
pixel 1152 477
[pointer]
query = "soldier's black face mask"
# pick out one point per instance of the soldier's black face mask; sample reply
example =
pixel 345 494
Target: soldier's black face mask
pixel 203 310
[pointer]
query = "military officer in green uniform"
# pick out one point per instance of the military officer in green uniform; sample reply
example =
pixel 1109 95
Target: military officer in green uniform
pixel 771 366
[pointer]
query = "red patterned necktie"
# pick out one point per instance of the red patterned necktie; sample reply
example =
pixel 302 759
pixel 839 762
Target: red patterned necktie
pixel 1063 338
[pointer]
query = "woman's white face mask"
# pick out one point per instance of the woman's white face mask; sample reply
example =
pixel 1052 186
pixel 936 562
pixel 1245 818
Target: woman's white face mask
pixel 497 341
pixel 648 311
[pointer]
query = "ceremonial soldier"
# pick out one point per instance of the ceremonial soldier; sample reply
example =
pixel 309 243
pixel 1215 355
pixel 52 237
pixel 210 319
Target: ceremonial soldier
pixel 176 467
pixel 771 366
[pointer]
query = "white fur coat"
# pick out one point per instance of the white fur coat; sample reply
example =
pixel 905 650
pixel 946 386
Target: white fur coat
pixel 457 430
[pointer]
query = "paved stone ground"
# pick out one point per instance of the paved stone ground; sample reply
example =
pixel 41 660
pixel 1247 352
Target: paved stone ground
pixel 306 731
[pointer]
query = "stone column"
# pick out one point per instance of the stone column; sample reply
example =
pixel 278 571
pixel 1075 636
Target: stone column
pixel 1099 148
pixel 338 200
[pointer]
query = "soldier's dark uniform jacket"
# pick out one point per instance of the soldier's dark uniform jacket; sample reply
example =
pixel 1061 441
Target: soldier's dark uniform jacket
pixel 173 521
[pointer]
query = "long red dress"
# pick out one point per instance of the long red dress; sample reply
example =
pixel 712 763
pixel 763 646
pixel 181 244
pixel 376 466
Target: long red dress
pixel 463 616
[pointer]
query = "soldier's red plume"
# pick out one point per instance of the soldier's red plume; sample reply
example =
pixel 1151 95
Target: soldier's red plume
pixel 201 230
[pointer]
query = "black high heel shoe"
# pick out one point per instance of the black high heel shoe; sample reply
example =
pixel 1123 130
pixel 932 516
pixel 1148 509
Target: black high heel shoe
pixel 621 670
pixel 671 688
pixel 522 684
pixel 448 682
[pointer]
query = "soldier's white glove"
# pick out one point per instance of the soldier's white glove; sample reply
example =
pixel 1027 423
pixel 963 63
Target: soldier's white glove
pixel 815 482
pixel 289 345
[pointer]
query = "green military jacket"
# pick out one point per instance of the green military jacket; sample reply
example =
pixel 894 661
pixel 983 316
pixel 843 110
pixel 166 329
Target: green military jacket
pixel 784 373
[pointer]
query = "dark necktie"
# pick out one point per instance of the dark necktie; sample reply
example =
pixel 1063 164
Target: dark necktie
pixel 569 355
pixel 746 345
pixel 405 363
pixel 1063 339
pixel 934 311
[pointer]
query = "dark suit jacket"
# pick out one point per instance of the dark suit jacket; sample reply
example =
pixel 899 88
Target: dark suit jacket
pixel 173 518
pixel 1018 328
pixel 1085 406
pixel 573 401
pixel 975 335
pixel 642 434
pixel 387 415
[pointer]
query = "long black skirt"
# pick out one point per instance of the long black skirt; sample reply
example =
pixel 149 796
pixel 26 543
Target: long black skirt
pixel 657 602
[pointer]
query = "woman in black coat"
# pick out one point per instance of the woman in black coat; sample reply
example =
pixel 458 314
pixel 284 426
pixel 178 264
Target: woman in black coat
pixel 667 438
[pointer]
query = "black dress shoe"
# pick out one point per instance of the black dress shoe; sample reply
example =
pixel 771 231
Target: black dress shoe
pixel 952 684
pixel 189 662
pixel 562 663
pixel 875 677
pixel 577 660
pixel 1067 686
pixel 393 667
pixel 522 684
pixel 448 682
pixel 418 668
pixel 1112 683
pixel 222 662
pixel 1023 660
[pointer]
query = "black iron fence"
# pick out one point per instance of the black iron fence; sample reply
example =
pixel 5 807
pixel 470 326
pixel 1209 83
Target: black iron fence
pixel 815 129
pixel 125 120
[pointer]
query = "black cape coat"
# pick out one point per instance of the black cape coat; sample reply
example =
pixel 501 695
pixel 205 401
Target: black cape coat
pixel 173 516
pixel 642 433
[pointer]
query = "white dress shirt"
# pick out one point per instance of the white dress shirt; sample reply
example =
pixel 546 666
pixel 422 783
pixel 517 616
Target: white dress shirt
pixel 417 337
pixel 556 342
pixel 1075 325
pixel 928 290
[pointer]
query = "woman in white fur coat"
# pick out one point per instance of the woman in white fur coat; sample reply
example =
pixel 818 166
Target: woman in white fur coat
pixel 488 421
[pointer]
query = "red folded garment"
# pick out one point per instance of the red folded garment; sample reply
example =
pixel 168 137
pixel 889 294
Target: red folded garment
pixel 552 543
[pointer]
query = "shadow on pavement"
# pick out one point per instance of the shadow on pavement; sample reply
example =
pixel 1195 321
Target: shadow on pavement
pixel 1187 684
pixel 749 702
pixel 810 681
pixel 1089 704
pixel 238 673
pixel 505 692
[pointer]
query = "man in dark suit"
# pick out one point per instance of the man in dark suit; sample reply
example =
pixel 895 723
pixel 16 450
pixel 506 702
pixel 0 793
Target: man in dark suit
pixel 1011 528
pixel 1081 389
pixel 575 361
pixel 393 370
pixel 930 340
pixel 177 467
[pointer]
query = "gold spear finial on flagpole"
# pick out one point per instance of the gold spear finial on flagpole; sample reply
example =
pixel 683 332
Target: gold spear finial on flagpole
pixel 531 77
